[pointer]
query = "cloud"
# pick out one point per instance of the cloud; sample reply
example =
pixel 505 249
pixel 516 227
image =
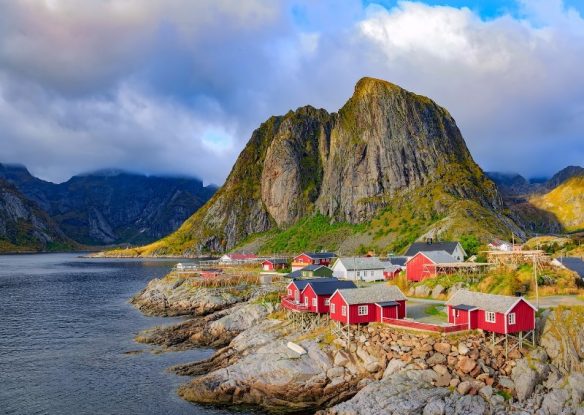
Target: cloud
pixel 176 86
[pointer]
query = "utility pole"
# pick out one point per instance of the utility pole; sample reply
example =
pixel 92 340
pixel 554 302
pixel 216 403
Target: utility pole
pixel 536 283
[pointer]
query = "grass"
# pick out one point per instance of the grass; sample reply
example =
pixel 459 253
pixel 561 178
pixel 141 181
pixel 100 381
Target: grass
pixel 433 310
pixel 566 202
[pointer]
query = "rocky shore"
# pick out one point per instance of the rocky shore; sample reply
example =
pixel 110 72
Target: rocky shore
pixel 381 370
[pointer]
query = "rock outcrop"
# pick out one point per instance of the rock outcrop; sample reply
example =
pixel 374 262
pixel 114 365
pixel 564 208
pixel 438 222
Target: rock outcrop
pixel 174 295
pixel 385 147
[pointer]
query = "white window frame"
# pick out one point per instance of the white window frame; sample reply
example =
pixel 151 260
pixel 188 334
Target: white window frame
pixel 327 301
pixel 511 319
pixel 344 310
pixel 363 310
pixel 289 292
pixel 314 302
pixel 332 307
pixel 457 313
pixel 306 301
pixel 490 317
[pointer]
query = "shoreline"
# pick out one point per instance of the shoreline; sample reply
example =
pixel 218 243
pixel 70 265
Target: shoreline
pixel 253 367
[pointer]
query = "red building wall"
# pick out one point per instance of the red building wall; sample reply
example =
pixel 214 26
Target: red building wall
pixel 338 301
pixel 386 312
pixel 416 270
pixel 293 290
pixel 497 327
pixel 355 318
pixel 524 318
pixel 267 266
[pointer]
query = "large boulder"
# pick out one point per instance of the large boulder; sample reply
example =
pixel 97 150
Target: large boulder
pixel 563 338
pixel 528 372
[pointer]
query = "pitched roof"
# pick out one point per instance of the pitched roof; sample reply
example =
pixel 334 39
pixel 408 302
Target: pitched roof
pixel 387 303
pixel 301 284
pixel 295 274
pixel 398 260
pixel 313 267
pixel 376 293
pixel 320 255
pixel 574 264
pixel 488 302
pixel 362 263
pixel 416 247
pixel 439 257
pixel 329 287
pixel 277 260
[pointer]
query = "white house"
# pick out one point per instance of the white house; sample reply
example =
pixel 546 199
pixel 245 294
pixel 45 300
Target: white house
pixel 498 245
pixel 359 268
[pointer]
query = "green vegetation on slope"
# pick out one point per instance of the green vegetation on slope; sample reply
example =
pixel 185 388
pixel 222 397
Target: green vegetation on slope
pixel 566 202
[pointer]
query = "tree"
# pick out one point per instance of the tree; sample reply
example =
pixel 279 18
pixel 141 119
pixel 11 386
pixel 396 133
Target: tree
pixel 471 244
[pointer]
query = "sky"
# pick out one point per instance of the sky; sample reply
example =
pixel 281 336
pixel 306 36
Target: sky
pixel 178 86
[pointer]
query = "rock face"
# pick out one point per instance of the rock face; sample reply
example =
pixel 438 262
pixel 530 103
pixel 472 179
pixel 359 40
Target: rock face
pixel 113 206
pixel 172 296
pixel 563 338
pixel 25 227
pixel 383 143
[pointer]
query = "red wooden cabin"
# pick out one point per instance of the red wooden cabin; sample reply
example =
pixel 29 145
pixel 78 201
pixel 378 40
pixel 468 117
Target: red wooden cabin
pixel 294 298
pixel 499 314
pixel 273 264
pixel 367 305
pixel 317 294
pixel 211 272
pixel 312 258
pixel 423 265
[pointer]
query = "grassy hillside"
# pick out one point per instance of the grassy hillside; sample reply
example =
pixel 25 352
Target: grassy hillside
pixel 566 202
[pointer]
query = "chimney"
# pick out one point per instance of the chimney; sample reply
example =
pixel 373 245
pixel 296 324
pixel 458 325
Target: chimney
pixel 429 241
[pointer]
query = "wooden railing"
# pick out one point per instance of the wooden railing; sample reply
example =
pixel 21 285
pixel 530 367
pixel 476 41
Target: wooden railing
pixel 417 325
pixel 293 305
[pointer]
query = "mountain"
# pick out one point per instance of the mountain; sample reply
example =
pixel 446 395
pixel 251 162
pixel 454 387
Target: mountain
pixel 536 204
pixel 26 228
pixel 112 206
pixel 565 202
pixel 391 166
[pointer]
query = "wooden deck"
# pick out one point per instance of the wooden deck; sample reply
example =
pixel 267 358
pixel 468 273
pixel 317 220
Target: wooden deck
pixel 293 306
pixel 417 325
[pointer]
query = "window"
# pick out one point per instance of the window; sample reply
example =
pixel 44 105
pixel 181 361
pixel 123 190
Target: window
pixel 344 310
pixel 327 301
pixel 511 318
pixel 363 310
pixel 306 301
pixel 332 307
pixel 289 292
pixel 457 313
pixel 314 302
pixel 490 317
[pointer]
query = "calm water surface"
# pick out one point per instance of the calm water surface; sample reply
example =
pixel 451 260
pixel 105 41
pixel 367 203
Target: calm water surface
pixel 65 330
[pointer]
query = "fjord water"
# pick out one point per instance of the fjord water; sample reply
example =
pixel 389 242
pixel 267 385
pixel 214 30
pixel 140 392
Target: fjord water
pixel 65 332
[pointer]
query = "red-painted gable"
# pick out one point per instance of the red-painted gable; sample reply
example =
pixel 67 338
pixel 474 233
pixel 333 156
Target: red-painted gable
pixel 316 303
pixel 420 267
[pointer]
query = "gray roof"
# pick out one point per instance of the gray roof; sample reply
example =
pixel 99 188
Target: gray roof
pixel 440 257
pixel 312 267
pixel 574 264
pixel 362 263
pixel 377 293
pixel 387 303
pixel 398 260
pixel 277 260
pixel 416 247
pixel 488 302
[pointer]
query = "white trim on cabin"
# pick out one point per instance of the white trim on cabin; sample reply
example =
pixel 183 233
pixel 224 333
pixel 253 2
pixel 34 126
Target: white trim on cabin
pixel 344 310
pixel 363 310
pixel 517 302
pixel 332 308
pixel 488 315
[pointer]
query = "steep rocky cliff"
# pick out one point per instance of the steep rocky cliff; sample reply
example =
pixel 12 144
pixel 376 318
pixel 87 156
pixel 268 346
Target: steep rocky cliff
pixel 113 206
pixel 24 227
pixel 387 152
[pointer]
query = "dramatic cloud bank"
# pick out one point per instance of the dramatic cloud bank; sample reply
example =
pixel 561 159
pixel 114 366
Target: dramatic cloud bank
pixel 177 87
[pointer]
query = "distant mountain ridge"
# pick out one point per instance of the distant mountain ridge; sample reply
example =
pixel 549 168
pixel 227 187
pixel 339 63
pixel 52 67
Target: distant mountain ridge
pixel 389 167
pixel 24 227
pixel 112 206
pixel 550 206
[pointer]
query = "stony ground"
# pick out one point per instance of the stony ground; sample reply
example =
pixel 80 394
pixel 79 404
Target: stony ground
pixel 381 370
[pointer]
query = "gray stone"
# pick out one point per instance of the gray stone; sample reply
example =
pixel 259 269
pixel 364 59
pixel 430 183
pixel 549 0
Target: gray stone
pixel 435 407
pixel 436 359
pixel 576 382
pixel 393 366
pixel 335 372
pixel 462 349
pixel 437 291
pixel 554 401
